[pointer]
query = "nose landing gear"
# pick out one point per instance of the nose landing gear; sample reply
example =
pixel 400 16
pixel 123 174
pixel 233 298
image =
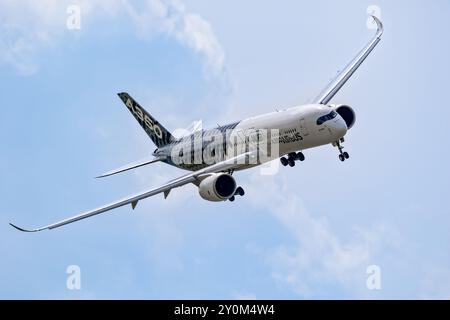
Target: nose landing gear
pixel 291 158
pixel 342 154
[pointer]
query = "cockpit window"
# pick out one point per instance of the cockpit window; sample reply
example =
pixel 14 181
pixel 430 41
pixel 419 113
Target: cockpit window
pixel 326 117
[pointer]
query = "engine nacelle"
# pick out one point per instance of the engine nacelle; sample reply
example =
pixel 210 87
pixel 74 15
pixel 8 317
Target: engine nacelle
pixel 346 113
pixel 217 187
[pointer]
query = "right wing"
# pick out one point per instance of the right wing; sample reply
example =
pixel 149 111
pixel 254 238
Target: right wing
pixel 338 82
pixel 228 164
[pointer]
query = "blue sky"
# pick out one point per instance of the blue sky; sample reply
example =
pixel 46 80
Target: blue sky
pixel 307 232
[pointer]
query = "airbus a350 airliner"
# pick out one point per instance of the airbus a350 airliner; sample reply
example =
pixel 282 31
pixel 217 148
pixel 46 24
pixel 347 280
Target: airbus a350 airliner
pixel 296 129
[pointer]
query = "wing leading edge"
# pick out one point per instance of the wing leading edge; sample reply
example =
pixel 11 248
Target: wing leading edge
pixel 338 82
pixel 228 164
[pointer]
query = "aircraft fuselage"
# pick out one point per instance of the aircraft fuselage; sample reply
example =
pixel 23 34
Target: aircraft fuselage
pixel 294 129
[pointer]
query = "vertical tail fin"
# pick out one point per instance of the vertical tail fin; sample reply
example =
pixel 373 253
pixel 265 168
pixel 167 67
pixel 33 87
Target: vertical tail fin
pixel 159 135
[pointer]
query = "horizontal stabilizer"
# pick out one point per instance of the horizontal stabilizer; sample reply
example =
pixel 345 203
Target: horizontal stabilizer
pixel 130 166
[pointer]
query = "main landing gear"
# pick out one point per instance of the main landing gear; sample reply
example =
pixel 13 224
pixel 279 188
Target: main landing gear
pixel 239 192
pixel 291 158
pixel 342 154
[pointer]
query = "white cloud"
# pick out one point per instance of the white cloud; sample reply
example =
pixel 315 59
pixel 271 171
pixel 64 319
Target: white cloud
pixel 318 258
pixel 172 18
pixel 28 27
pixel 198 34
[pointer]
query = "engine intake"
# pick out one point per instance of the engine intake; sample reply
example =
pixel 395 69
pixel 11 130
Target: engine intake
pixel 217 187
pixel 346 113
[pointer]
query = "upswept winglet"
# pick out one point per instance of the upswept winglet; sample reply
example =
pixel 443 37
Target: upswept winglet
pixel 338 82
pixel 380 28
pixel 26 230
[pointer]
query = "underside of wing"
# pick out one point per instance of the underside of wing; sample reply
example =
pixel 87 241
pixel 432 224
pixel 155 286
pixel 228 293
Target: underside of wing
pixel 228 164
pixel 129 200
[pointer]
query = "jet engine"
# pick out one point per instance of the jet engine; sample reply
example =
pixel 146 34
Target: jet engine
pixel 217 187
pixel 346 113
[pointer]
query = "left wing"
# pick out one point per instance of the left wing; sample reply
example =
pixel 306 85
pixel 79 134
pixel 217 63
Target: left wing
pixel 228 164
pixel 338 82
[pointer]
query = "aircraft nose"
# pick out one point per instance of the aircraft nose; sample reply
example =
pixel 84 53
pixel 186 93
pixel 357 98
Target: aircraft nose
pixel 340 127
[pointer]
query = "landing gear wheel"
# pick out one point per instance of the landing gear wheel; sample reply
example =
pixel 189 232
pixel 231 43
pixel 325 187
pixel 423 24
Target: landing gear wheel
pixel 342 155
pixel 284 161
pixel 231 199
pixel 300 156
pixel 291 162
pixel 240 191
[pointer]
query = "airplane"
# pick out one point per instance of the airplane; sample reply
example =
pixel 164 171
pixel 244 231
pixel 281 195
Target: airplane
pixel 298 128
